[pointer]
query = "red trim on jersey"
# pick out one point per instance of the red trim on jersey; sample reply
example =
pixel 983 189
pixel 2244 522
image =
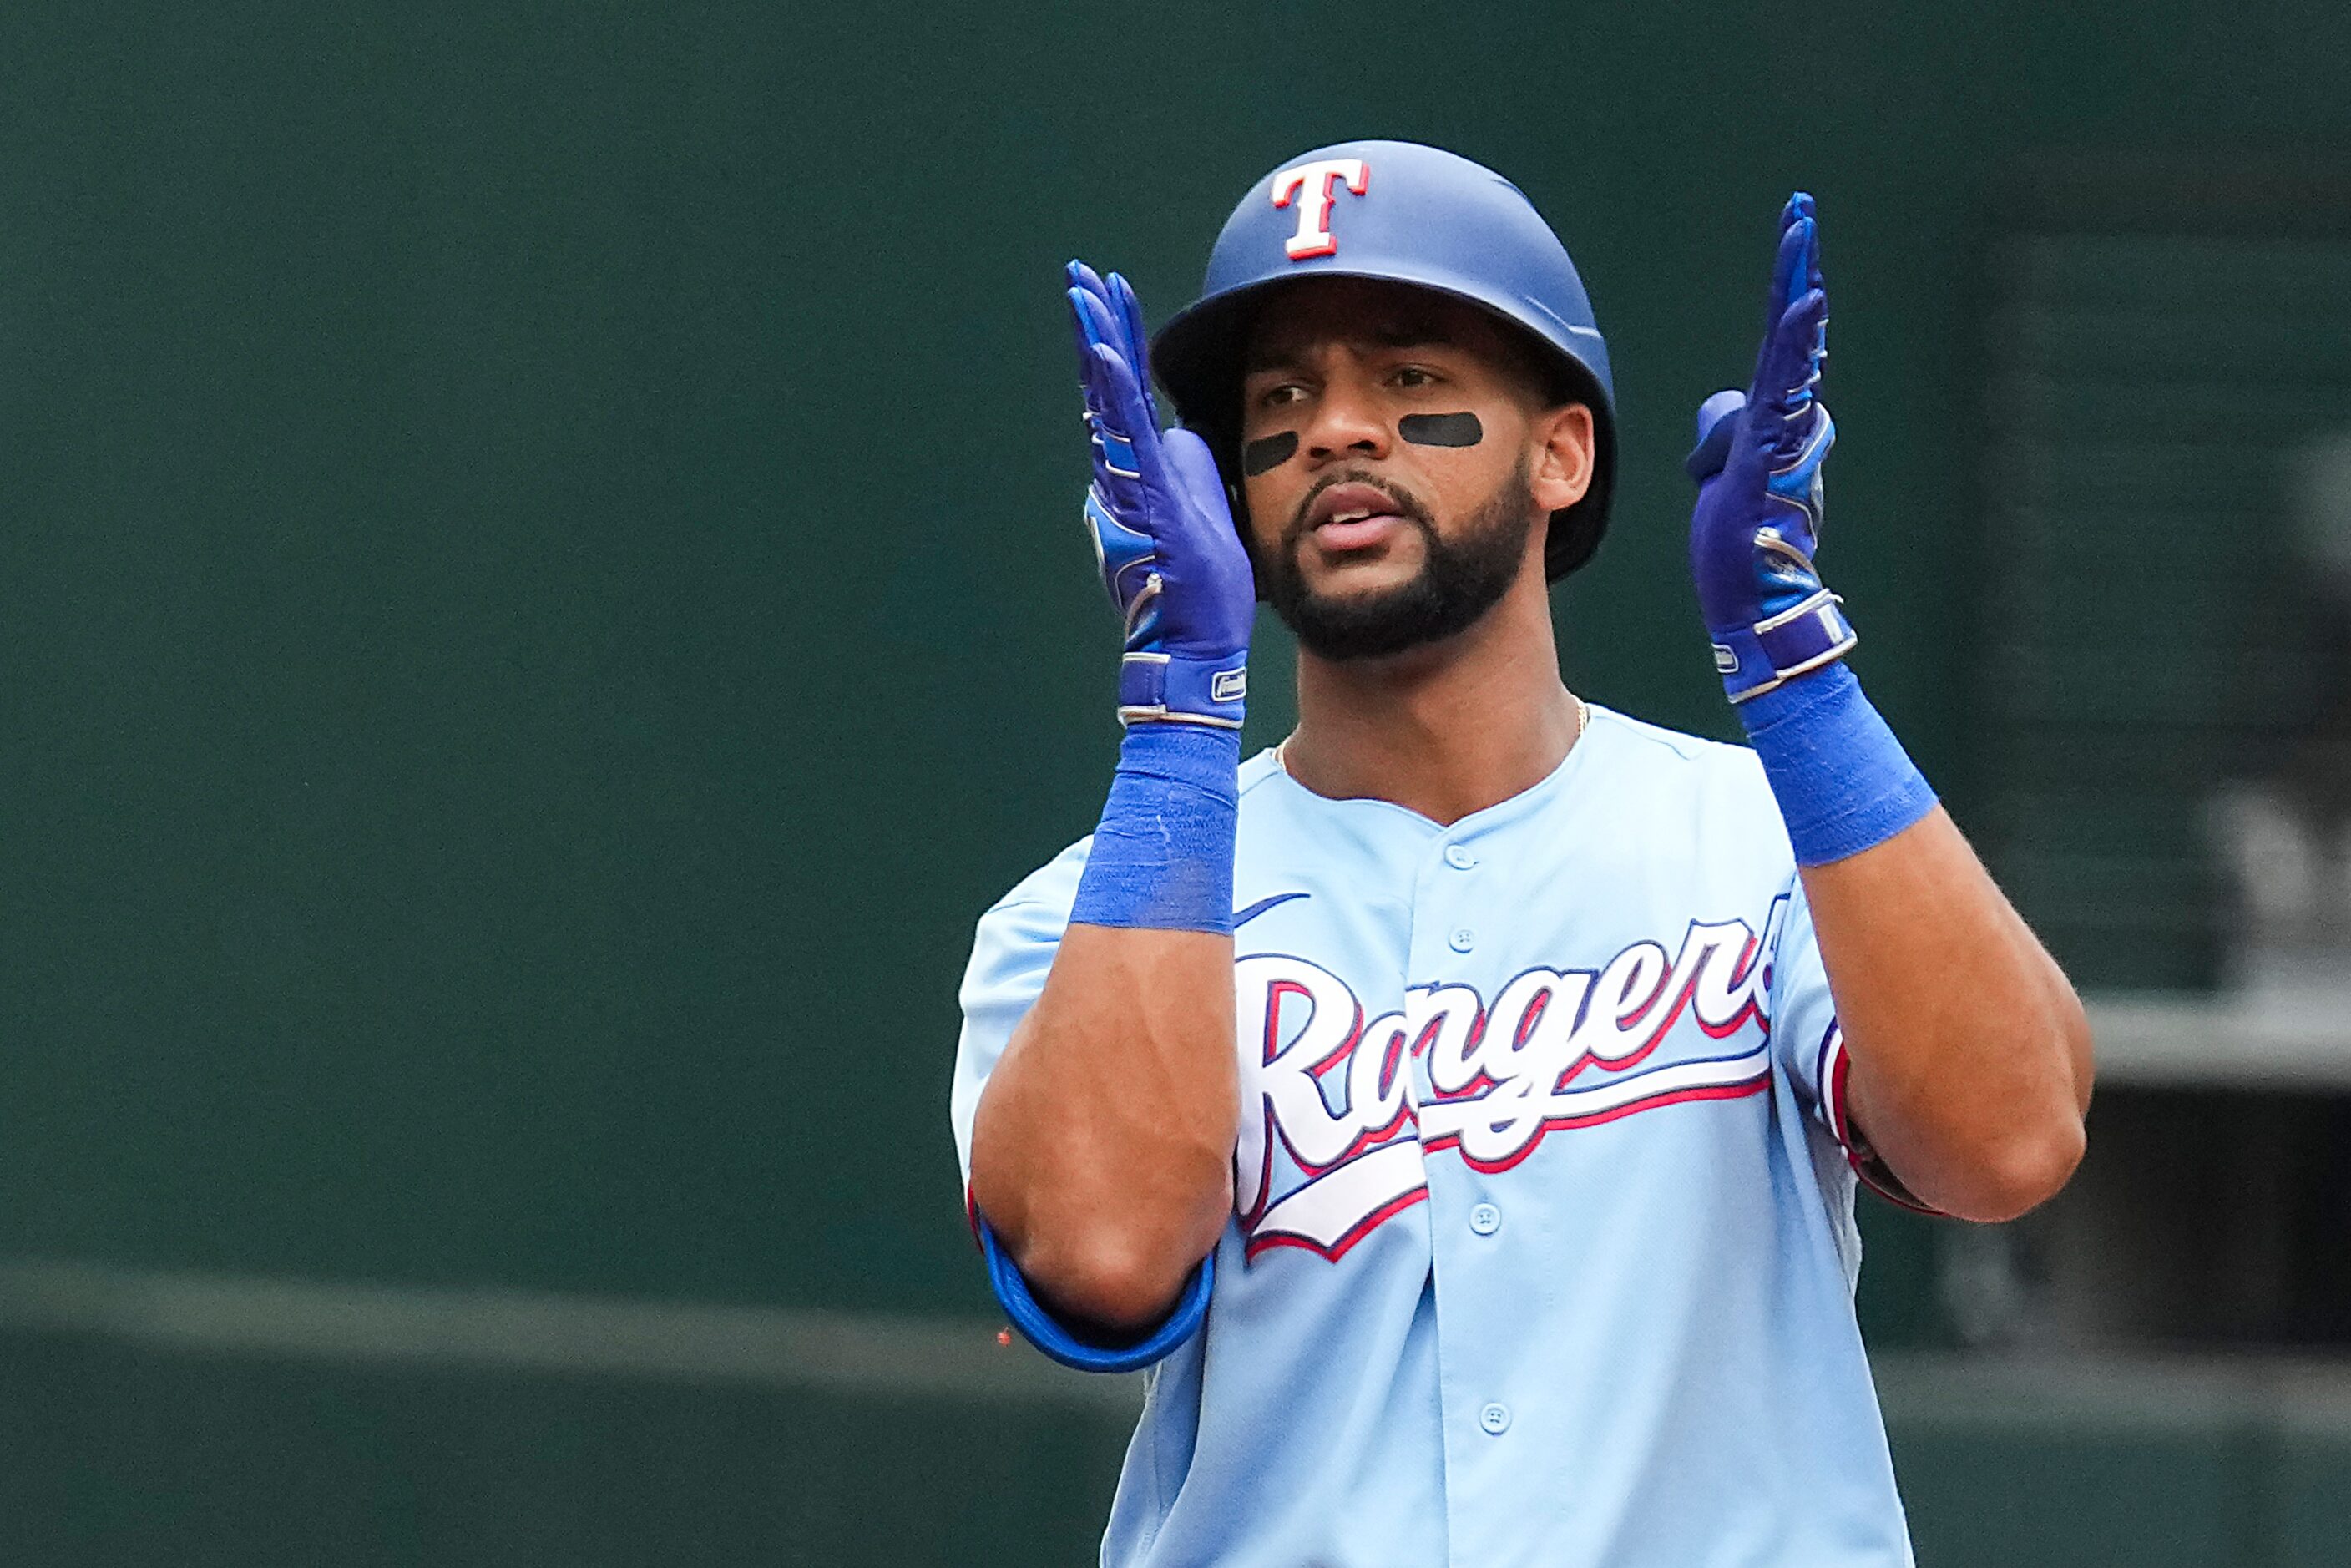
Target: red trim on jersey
pixel 1739 1090
pixel 1355 1232
pixel 1867 1163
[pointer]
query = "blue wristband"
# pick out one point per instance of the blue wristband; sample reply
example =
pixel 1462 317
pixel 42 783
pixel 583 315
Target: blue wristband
pixel 1843 781
pixel 1162 857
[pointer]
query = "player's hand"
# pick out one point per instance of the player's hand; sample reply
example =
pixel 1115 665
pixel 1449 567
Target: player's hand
pixel 1163 533
pixel 1758 468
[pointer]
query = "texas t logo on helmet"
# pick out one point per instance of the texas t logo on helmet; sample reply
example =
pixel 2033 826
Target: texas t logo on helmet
pixel 1313 187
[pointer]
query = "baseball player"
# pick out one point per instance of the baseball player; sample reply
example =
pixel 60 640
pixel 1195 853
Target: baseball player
pixel 1459 1106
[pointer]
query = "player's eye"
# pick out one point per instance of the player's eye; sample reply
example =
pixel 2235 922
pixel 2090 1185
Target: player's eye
pixel 1414 376
pixel 1280 395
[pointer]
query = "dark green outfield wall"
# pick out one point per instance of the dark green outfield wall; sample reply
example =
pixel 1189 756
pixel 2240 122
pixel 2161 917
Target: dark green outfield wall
pixel 539 587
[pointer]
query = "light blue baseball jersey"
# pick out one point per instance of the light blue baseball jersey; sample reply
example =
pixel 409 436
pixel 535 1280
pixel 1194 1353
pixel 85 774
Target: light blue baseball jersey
pixel 1543 1248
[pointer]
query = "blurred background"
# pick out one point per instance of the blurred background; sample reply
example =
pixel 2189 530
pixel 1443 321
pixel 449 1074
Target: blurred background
pixel 540 596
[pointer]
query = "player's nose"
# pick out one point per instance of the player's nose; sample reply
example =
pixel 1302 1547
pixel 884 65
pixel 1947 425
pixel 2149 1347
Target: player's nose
pixel 1348 420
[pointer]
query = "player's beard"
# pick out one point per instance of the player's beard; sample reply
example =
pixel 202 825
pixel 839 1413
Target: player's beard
pixel 1459 581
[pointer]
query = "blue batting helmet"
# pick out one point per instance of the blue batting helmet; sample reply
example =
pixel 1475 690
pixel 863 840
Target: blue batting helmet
pixel 1409 213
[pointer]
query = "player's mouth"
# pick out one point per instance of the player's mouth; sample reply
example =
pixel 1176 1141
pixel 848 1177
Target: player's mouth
pixel 1354 515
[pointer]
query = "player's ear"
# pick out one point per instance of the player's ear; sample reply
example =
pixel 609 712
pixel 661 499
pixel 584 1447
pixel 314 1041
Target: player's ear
pixel 1561 463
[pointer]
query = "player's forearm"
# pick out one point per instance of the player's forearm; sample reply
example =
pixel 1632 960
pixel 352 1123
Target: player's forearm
pixel 1970 1054
pixel 1107 1128
pixel 1101 1152
pixel 1101 1146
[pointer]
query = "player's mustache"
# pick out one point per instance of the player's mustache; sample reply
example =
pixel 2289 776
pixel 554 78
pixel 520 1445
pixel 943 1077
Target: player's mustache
pixel 1406 504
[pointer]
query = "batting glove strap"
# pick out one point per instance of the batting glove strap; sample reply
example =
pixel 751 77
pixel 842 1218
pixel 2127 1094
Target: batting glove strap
pixel 1752 660
pixel 1172 688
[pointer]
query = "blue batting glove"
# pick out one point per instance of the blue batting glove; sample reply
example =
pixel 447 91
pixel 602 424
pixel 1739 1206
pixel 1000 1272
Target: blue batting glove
pixel 1758 466
pixel 1163 533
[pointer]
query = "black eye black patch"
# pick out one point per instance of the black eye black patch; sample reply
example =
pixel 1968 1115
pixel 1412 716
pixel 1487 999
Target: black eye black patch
pixel 1268 452
pixel 1441 429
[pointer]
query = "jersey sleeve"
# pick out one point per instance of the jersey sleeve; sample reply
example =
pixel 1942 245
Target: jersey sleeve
pixel 1011 954
pixel 1809 1046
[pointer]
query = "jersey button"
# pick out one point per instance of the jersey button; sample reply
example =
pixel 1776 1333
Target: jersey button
pixel 1458 858
pixel 1462 939
pixel 1494 1420
pixel 1485 1219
